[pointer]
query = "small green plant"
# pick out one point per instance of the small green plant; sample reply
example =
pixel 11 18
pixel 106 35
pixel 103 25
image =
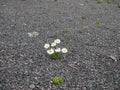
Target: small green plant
pixel 107 1
pixel 118 5
pixel 85 27
pixel 99 1
pixel 57 81
pixel 55 55
pixel 94 8
pixel 65 31
pixel 98 22
pixel 86 1
pixel 84 17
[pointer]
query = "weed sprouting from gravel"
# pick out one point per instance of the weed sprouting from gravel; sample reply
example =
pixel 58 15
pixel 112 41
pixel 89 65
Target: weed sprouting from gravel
pixel 86 1
pixel 94 8
pixel 85 27
pixel 57 81
pixel 99 1
pixel 55 55
pixel 118 5
pixel 98 22
pixel 84 17
pixel 107 1
pixel 65 31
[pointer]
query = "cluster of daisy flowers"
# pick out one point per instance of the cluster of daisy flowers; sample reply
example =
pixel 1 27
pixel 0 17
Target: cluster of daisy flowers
pixel 51 50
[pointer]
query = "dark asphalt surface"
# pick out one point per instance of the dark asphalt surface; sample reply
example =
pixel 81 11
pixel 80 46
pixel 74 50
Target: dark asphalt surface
pixel 93 43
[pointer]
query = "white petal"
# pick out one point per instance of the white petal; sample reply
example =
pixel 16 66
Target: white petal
pixel 51 51
pixel 57 50
pixel 64 50
pixel 46 46
pixel 57 41
pixel 53 44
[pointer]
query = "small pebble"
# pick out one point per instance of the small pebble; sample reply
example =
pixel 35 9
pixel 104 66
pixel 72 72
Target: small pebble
pixel 33 34
pixel 4 5
pixel 24 24
pixel 0 85
pixel 119 48
pixel 81 4
pixel 113 57
pixel 84 88
pixel 32 86
pixel 36 78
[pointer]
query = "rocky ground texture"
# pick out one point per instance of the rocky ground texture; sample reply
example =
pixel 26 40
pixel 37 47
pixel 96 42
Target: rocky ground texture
pixel 92 40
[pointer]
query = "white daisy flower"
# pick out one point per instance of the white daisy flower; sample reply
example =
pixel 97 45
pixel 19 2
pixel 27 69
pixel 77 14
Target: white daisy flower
pixel 57 50
pixel 57 41
pixel 53 44
pixel 46 46
pixel 50 51
pixel 64 50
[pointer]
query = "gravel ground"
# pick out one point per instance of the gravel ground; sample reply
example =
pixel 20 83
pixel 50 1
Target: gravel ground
pixel 93 43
